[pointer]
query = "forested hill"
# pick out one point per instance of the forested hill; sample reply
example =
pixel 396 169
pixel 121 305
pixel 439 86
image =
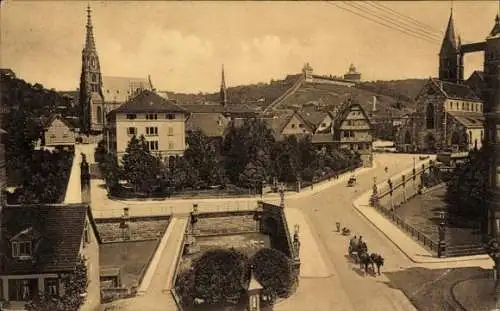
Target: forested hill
pixel 34 99
pixel 402 90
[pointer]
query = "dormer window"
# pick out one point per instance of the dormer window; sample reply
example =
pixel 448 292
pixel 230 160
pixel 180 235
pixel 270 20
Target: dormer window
pixel 21 249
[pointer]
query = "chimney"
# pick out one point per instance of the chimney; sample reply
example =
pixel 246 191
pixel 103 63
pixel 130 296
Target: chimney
pixel 374 107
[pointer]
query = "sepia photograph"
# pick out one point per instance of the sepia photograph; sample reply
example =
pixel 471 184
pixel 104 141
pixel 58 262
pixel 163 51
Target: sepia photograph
pixel 249 155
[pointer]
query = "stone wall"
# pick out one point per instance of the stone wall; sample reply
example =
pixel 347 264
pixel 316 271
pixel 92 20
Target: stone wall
pixel 225 223
pixel 139 229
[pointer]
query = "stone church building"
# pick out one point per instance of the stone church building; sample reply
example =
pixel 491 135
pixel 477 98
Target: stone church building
pixel 449 111
pixel 101 94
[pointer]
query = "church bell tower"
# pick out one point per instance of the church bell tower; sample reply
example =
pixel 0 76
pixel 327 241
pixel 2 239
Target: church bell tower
pixel 450 57
pixel 90 79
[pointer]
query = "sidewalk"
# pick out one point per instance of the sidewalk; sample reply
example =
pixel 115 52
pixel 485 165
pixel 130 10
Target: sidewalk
pixel 312 263
pixel 74 190
pixel 410 247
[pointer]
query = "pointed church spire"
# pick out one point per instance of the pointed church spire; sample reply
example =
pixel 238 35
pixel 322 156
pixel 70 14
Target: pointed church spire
pixel 223 89
pixel 89 40
pixel 496 28
pixel 449 41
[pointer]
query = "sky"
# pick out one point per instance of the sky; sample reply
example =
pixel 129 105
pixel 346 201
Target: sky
pixel 183 45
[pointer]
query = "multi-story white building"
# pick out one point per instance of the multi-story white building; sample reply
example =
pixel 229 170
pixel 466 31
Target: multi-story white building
pixel 159 120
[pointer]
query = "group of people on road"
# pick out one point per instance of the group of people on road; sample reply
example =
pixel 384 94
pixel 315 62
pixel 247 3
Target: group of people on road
pixel 358 250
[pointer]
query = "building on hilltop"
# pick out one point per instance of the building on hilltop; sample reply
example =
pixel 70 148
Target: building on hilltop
pixel 352 74
pixel 161 121
pixel 100 94
pixel 449 111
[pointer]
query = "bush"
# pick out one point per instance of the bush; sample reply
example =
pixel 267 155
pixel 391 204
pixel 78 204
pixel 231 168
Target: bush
pixel 219 276
pixel 273 270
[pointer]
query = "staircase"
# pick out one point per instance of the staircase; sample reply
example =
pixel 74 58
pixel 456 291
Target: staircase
pixel 285 95
pixel 465 250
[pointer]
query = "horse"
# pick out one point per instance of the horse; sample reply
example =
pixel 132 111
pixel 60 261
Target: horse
pixel 378 260
pixel 365 262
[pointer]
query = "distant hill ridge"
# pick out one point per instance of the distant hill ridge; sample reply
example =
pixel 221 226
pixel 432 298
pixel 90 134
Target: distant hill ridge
pixel 393 94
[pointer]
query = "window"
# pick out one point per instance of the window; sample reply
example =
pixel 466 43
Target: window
pixel 170 116
pixel 153 145
pixel 293 126
pixel 151 116
pixel 152 131
pixel 99 115
pixel 170 131
pixel 131 131
pixel 458 107
pixel 463 106
pixel 22 289
pixel 301 125
pixel 430 116
pixel 131 116
pixel 86 234
pixel 171 145
pixel 51 287
pixel 21 249
pixel 323 124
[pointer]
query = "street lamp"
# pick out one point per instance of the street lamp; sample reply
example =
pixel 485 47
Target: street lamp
pixel 442 233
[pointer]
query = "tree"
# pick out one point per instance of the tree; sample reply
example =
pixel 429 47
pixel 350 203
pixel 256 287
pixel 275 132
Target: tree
pixel 20 143
pixel 219 276
pixel 203 156
pixel 75 290
pixel 50 169
pixel 273 270
pixel 111 171
pixel 140 167
pixel 251 142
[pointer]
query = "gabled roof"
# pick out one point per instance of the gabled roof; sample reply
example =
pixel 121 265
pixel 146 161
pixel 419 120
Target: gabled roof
pixel 314 117
pixel 148 101
pixel 211 124
pixel 468 119
pixel 346 108
pixel 450 90
pixel 119 89
pixel 71 123
pixel 59 230
pixel 456 91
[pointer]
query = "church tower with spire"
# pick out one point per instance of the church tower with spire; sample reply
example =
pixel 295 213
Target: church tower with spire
pixel 450 58
pixel 91 99
pixel 223 89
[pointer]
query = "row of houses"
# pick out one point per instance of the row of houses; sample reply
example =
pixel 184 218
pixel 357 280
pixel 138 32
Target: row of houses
pixel 165 124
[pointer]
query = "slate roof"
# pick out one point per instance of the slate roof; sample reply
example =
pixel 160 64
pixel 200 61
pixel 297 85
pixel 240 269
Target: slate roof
pixel 148 101
pixel 211 124
pixel 59 230
pixel 119 89
pixel 457 91
pixel 468 119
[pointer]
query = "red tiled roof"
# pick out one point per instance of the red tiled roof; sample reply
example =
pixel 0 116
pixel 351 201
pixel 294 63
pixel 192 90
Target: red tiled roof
pixel 211 124
pixel 59 230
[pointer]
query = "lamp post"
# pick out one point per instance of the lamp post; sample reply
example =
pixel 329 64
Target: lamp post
pixel 442 235
pixel 282 195
pixel 374 197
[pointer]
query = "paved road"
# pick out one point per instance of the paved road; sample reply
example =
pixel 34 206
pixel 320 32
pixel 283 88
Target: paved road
pixel 333 204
